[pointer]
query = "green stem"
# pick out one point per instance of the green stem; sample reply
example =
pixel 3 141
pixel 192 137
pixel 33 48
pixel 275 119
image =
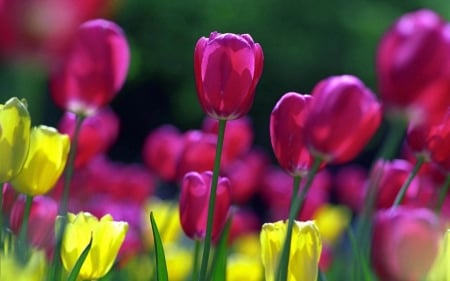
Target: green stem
pixel 55 269
pixel 196 261
pixel 442 194
pixel 22 247
pixel 297 202
pixel 212 200
pixel 397 128
pixel 404 188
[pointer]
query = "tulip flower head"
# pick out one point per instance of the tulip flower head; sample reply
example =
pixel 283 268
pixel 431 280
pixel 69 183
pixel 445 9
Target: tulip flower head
pixel 194 201
pixel 94 70
pixel 343 117
pixel 306 246
pixel 287 133
pixel 45 161
pixel 227 69
pixel 15 125
pixel 107 237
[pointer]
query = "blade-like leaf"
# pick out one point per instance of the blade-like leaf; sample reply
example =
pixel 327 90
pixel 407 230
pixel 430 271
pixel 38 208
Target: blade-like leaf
pixel 76 269
pixel 219 263
pixel 161 268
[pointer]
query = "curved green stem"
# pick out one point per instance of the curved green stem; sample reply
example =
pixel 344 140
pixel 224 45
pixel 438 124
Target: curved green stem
pixel 404 188
pixel 212 200
pixel 55 269
pixel 297 202
pixel 442 194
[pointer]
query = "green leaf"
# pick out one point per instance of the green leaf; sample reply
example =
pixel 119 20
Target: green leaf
pixel 161 268
pixel 76 269
pixel 219 262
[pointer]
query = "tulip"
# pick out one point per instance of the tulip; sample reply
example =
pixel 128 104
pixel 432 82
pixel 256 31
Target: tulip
pixel 412 64
pixel 227 69
pixel 287 134
pixel 440 269
pixel 45 161
pixel 41 221
pixel 405 243
pixel 97 133
pixel 304 255
pixel 94 70
pixel 34 269
pixel 242 267
pixel 332 221
pixel 343 117
pixel 14 137
pixel 107 237
pixel 194 202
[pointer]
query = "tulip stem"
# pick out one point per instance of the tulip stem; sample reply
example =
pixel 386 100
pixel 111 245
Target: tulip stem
pixel 55 269
pixel 22 246
pixel 212 199
pixel 397 127
pixel 401 194
pixel 196 256
pixel 442 194
pixel 297 202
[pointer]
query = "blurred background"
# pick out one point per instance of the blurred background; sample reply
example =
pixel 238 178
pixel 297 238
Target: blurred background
pixel 303 42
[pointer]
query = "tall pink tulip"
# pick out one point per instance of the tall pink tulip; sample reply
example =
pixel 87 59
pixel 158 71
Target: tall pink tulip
pixel 227 68
pixel 412 64
pixel 94 69
pixel 287 133
pixel 194 201
pixel 343 117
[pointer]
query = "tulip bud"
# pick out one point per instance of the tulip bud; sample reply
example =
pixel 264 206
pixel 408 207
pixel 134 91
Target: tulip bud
pixel 45 161
pixel 343 117
pixel 107 237
pixel 95 68
pixel 287 133
pixel 14 137
pixel 227 68
pixel 194 202
pixel 306 246
pixel 405 243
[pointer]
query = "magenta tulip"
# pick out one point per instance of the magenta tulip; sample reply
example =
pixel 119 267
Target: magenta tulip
pixel 227 68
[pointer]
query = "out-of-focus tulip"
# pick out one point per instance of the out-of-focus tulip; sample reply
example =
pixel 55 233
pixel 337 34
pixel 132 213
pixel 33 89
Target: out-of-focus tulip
pixel 45 161
pixel 405 243
pixel 15 125
pixel 8 199
pixel 107 237
pixel 350 182
pixel 179 261
pixel 332 221
pixel 227 68
pixel 242 267
pixel 13 270
pixel 306 246
pixel 440 269
pixel 94 70
pixel 98 132
pixel 287 134
pixel 243 223
pixel 41 222
pixel 412 64
pixel 238 136
pixel 343 117
pixel 194 202
pixel 162 149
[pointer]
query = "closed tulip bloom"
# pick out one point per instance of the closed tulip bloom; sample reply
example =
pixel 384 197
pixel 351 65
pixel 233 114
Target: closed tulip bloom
pixel 306 246
pixel 194 202
pixel 45 161
pixel 343 117
pixel 412 60
pixel 94 70
pixel 405 243
pixel 227 68
pixel 287 134
pixel 15 125
pixel 107 237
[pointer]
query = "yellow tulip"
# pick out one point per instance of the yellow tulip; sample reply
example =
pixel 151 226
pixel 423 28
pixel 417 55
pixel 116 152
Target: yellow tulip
pixel 441 267
pixel 107 237
pixel 306 246
pixel 244 268
pixel 45 162
pixel 15 125
pixel 13 270
pixel 179 261
pixel 332 221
